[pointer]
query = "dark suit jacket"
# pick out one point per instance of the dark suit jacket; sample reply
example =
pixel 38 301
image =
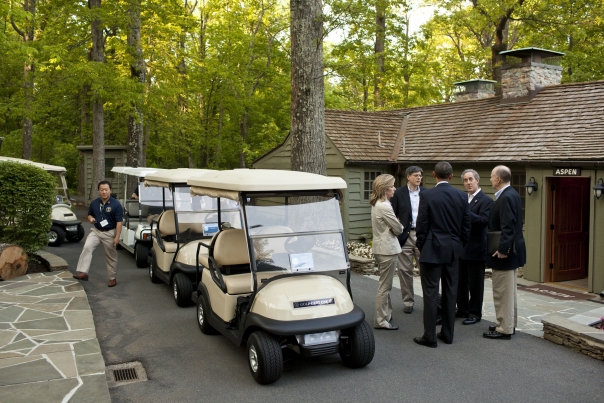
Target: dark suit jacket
pixel 480 209
pixel 506 216
pixel 401 204
pixel 443 224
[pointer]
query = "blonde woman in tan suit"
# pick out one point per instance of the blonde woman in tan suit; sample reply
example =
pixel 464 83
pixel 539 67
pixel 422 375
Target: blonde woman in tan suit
pixel 386 247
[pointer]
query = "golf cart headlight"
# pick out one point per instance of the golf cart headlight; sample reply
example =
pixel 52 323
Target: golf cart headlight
pixel 319 338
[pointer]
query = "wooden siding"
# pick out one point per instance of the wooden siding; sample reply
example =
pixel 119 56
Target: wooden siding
pixel 119 157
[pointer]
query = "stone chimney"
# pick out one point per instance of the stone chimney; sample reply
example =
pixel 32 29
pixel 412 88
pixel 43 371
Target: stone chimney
pixel 474 89
pixel 527 71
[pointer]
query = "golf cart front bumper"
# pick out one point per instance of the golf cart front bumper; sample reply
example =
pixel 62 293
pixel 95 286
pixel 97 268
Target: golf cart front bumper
pixel 306 326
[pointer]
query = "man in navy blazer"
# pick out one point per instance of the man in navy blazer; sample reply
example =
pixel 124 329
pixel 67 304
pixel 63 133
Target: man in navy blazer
pixel 471 262
pixel 405 204
pixel 506 216
pixel 443 227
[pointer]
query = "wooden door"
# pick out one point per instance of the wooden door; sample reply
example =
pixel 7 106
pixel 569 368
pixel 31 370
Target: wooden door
pixel 568 223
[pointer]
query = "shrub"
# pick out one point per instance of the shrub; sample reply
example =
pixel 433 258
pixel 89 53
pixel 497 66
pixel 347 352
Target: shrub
pixel 26 197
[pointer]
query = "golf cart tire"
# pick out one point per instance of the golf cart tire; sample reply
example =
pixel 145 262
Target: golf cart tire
pixel 154 279
pixel 183 289
pixel 141 255
pixel 56 236
pixel 203 314
pixel 268 364
pixel 78 237
pixel 358 350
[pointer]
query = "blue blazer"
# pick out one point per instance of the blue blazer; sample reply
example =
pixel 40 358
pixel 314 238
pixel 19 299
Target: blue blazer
pixel 480 209
pixel 506 216
pixel 443 224
pixel 401 204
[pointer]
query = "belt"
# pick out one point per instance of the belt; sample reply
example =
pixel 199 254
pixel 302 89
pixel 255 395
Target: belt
pixel 412 229
pixel 106 229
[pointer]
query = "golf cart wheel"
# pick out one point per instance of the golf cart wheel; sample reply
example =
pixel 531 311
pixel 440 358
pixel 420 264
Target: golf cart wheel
pixel 77 237
pixel 141 255
pixel 358 348
pixel 202 316
pixel 152 276
pixel 183 289
pixel 56 236
pixel 265 357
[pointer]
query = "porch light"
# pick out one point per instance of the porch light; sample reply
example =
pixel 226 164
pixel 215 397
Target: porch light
pixel 598 188
pixel 532 186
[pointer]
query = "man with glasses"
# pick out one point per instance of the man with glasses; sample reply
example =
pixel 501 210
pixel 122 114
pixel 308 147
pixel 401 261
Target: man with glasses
pixel 405 204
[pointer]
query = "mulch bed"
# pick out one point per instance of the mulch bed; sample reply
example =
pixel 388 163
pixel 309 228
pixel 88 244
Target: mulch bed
pixel 35 265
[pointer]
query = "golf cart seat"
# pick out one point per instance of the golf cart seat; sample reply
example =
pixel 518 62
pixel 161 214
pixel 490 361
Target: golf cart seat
pixel 231 254
pixel 166 232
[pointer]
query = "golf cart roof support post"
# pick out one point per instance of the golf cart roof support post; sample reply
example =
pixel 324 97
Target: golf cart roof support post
pixel 219 214
pixel 250 248
pixel 348 268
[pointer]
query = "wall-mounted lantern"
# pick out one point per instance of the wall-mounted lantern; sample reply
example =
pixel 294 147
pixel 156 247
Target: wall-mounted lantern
pixel 599 188
pixel 531 186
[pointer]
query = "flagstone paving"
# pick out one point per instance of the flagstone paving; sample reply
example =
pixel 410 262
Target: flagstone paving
pixel 48 346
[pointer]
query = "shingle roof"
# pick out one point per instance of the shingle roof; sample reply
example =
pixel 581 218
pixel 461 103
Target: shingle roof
pixel 563 122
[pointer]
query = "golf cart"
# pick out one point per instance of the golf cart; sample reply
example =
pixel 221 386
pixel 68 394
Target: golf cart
pixel 173 256
pixel 274 284
pixel 65 225
pixel 138 214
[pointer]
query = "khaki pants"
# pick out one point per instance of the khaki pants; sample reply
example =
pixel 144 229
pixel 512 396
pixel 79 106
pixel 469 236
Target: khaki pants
pixel 93 240
pixel 405 268
pixel 383 304
pixel 504 299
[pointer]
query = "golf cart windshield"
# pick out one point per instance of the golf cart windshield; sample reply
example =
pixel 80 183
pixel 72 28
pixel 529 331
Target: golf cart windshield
pixel 152 196
pixel 204 209
pixel 296 234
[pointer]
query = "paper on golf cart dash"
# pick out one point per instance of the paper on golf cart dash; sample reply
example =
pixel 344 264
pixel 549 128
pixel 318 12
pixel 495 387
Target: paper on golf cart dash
pixel 301 262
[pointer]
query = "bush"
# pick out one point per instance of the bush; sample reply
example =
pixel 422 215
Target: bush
pixel 26 197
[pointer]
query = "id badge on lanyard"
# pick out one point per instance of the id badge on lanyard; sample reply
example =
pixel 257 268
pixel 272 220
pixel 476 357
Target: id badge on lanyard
pixel 103 223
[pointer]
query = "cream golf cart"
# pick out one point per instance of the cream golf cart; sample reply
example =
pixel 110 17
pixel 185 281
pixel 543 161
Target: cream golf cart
pixel 138 214
pixel 274 284
pixel 65 225
pixel 173 256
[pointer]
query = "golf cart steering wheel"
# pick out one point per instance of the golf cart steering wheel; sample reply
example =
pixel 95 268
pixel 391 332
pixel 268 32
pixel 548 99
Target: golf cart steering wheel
pixel 299 244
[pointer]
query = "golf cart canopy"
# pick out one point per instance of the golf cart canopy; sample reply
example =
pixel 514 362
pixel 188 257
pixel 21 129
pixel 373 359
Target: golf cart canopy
pixel 139 172
pixel 178 177
pixel 46 167
pixel 229 183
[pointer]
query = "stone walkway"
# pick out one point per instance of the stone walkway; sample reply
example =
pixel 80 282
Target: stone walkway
pixel 531 307
pixel 48 346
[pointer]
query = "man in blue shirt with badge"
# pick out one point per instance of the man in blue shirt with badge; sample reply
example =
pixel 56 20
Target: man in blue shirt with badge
pixel 106 213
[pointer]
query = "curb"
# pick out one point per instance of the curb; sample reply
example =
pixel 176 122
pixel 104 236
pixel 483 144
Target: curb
pixel 53 262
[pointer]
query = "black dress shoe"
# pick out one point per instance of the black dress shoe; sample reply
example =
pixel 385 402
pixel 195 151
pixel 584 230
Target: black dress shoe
pixel 493 328
pixel 391 327
pixel 440 336
pixel 494 334
pixel 471 321
pixel 408 309
pixel 423 342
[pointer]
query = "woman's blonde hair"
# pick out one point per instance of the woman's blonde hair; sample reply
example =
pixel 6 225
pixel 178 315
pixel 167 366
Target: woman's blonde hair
pixel 379 187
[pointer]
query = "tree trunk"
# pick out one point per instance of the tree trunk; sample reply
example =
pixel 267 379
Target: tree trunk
pixel 27 34
pixel 13 261
pixel 307 99
pixel 380 39
pixel 137 72
pixel 98 112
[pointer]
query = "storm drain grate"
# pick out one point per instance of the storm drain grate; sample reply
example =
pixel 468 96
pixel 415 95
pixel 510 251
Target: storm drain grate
pixel 122 374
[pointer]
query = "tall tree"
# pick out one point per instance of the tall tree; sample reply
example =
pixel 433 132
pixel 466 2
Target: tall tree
pixel 380 40
pixel 97 55
pixel 27 34
pixel 307 92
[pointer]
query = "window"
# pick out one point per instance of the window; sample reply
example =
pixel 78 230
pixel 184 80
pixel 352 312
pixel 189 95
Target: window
pixel 518 182
pixel 367 182
pixel 109 163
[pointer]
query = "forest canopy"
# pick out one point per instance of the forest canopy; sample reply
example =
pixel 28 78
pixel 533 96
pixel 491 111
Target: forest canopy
pixel 214 90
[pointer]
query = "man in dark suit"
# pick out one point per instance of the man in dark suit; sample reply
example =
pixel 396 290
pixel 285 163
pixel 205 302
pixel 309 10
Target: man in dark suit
pixel 471 262
pixel 506 216
pixel 405 204
pixel 443 227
